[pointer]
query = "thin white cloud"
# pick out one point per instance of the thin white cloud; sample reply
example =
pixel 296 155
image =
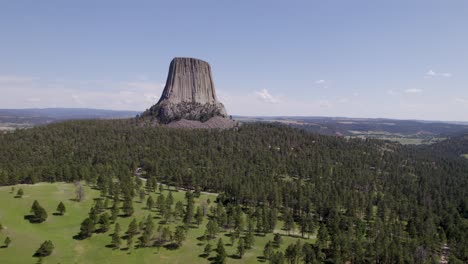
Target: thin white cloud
pixel 320 81
pixel 413 91
pixel 130 95
pixel 431 74
pixel 15 79
pixel 391 92
pixel 265 96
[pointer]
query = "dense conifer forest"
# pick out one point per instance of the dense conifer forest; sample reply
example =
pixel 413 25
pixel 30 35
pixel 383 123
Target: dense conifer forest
pixel 367 200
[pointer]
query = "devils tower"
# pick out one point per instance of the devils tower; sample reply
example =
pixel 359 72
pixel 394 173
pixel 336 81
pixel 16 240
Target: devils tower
pixel 189 98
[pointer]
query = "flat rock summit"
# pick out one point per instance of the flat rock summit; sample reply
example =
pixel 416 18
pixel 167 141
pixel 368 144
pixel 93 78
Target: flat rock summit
pixel 189 98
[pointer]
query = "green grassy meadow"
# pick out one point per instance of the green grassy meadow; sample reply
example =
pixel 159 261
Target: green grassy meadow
pixel 27 237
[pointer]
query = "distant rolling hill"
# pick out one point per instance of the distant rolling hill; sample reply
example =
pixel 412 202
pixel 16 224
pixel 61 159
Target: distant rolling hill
pixel 24 118
pixel 403 131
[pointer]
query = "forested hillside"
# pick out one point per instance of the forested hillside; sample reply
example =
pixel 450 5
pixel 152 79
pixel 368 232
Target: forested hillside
pixel 376 201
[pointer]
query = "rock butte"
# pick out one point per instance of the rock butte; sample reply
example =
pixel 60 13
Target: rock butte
pixel 189 98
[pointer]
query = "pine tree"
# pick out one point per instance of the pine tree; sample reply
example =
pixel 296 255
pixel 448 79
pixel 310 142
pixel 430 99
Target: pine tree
pixel 199 215
pixel 179 210
pixel 20 193
pixel 87 228
pixel 132 228
pixel 142 195
pixel 241 248
pixel 207 249
pixel 7 241
pixel 45 249
pixel 249 240
pixel 161 203
pixel 61 208
pixel 145 238
pixel 114 211
pixel 221 252
pixel 104 222
pixel 169 200
pixel 322 237
pixel 39 213
pixel 277 239
pixel 150 203
pixel 179 235
pixel 309 254
pixel 116 236
pixel 130 242
pixel 211 229
pixel 188 218
pixel 128 207
pixel 268 250
pixel 288 222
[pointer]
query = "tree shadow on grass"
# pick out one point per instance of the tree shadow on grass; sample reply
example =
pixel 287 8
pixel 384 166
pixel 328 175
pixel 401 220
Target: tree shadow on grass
pixel 78 237
pixel 234 256
pixel 32 219
pixel 261 259
pixel 201 238
pixel 57 214
pixel 171 246
pixel 3 246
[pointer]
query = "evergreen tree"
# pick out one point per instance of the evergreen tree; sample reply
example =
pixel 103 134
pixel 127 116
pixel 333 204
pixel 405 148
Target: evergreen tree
pixel 132 228
pixel 289 222
pixel 277 239
pixel 309 254
pixel 87 228
pixel 116 236
pixel 240 248
pixel 212 229
pixel 179 235
pixel 145 239
pixel 249 240
pixel 179 209
pixel 61 208
pixel 220 252
pixel 7 241
pixel 104 222
pixel 130 242
pixel 199 216
pixel 142 195
pixel 20 193
pixel 322 237
pixel 150 203
pixel 128 207
pixel 45 249
pixel 189 209
pixel 268 250
pixel 39 213
pixel 277 258
pixel 114 211
pixel 161 203
pixel 169 200
pixel 207 249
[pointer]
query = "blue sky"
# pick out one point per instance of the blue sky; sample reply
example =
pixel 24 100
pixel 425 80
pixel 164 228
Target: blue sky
pixel 396 59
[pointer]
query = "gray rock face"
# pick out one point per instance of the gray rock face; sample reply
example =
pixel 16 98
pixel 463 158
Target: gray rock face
pixel 189 93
